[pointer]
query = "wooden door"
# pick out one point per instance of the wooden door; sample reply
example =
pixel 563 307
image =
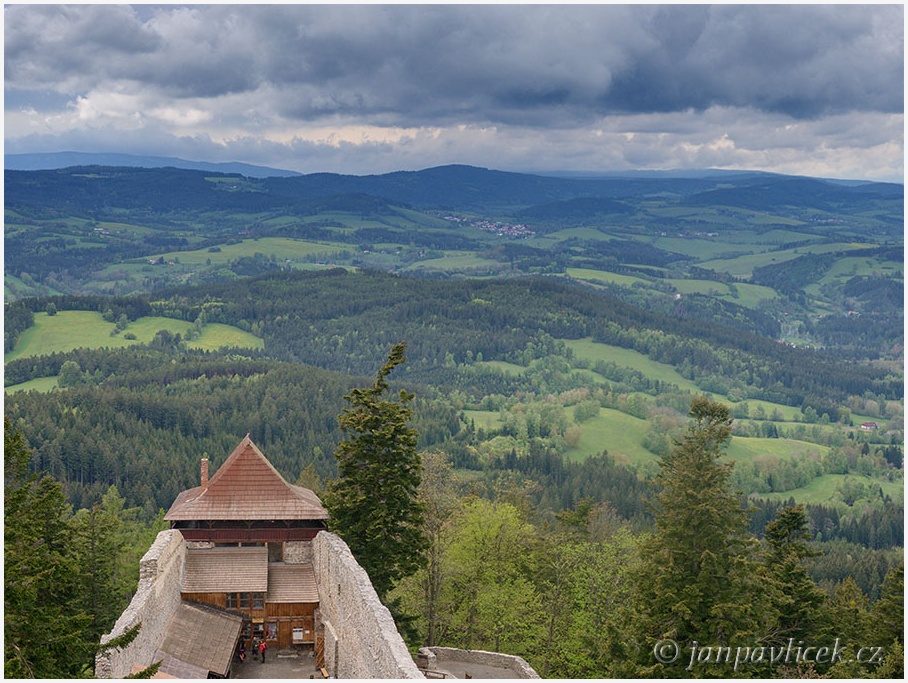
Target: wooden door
pixel 284 634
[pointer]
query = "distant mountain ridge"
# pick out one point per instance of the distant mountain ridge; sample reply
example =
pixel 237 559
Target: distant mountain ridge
pixel 55 160
pixel 445 188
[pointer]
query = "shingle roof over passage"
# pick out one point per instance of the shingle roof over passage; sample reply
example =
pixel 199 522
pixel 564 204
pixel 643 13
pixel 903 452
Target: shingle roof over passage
pixel 226 570
pixel 246 487
pixel 199 640
pixel 291 583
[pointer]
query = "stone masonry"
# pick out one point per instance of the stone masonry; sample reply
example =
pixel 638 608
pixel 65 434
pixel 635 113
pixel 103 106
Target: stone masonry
pixel 361 639
pixel 155 602
pixel 298 552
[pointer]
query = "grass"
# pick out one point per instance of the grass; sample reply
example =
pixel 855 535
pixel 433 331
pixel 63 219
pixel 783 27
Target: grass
pixel 42 384
pixel 789 413
pixel 698 248
pixel 589 350
pixel 503 366
pixel 217 335
pixel 823 488
pixel 70 330
pixel 750 296
pixel 748 448
pixel 455 260
pixel 484 419
pixel 281 247
pixel 591 275
pixel 66 331
pixel 708 287
pixel 618 433
pixel 743 266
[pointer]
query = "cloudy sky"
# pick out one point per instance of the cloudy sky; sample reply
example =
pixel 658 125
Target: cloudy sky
pixel 809 89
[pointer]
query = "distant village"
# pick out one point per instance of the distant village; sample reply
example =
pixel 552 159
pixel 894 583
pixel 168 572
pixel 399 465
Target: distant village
pixel 499 228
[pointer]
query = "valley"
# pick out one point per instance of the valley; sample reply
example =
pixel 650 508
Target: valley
pixel 557 333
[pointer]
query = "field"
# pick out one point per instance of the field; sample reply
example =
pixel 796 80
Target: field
pixel 68 330
pixel 618 433
pixel 591 351
pixel 823 489
pixel 280 247
pixel 484 419
pixel 743 266
pixel 217 335
pixel 42 384
pixel 591 275
pixel 455 261
pixel 747 449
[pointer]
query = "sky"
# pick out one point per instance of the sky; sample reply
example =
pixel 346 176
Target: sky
pixel 800 89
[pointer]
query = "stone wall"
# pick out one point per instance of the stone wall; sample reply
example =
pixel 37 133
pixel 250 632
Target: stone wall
pixel 157 598
pixel 364 642
pixel 298 552
pixel 439 657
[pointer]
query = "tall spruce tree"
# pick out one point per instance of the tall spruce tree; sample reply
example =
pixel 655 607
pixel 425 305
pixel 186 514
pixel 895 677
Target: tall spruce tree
pixel 698 576
pixel 46 634
pixel 798 600
pixel 374 503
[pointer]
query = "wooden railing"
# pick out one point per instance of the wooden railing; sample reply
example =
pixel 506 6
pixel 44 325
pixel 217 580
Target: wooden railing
pixel 248 535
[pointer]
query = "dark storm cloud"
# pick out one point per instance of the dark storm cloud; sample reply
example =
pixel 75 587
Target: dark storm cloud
pixel 45 45
pixel 802 61
pixel 425 65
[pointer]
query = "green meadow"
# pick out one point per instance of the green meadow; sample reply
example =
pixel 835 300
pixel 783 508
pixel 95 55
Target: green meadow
pixel 708 287
pixel 41 384
pixel 279 247
pixel 618 433
pixel 743 266
pixel 788 413
pixel 698 248
pixel 484 419
pixel 68 330
pixel 748 449
pixel 591 351
pixel 823 489
pixel 455 260
pixel 750 296
pixel 590 275
pixel 217 335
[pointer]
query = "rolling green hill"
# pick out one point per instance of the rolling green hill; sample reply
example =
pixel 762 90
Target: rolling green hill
pixel 122 231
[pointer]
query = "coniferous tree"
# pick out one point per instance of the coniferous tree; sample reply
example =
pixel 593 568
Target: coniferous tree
pixel 798 598
pixel 888 629
pixel 374 503
pixel 46 634
pixel 698 576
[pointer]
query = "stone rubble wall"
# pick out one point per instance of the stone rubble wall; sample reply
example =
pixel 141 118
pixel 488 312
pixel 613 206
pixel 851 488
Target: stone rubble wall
pixel 298 552
pixel 439 656
pixel 155 602
pixel 366 643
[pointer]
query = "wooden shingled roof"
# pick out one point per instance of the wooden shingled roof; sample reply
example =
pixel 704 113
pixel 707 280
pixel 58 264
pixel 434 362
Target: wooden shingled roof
pixel 291 583
pixel 226 570
pixel 246 487
pixel 199 640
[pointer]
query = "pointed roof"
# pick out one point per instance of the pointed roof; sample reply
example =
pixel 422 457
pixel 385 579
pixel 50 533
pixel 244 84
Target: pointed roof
pixel 246 487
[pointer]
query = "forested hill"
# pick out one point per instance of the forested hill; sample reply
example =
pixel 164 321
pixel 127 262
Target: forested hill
pixel 98 189
pixel 347 321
